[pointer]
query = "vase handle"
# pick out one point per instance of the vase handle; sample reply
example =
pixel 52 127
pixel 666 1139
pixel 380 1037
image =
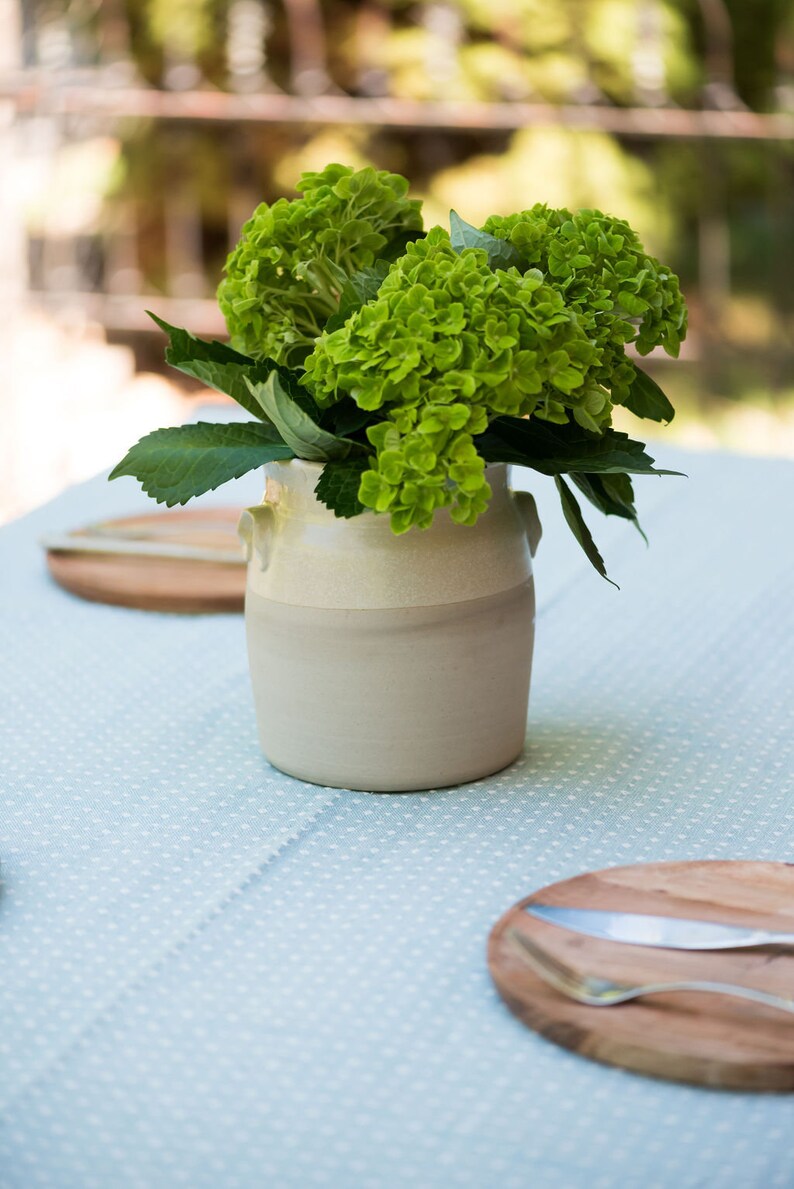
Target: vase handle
pixel 253 529
pixel 529 514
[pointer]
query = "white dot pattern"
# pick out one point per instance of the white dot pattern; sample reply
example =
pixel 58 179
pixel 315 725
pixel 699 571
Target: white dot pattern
pixel 213 975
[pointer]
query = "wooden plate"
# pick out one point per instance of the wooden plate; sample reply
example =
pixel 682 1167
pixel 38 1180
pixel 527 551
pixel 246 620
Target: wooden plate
pixel 157 583
pixel 706 1039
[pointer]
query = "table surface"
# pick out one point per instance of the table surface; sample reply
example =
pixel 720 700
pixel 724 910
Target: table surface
pixel 215 975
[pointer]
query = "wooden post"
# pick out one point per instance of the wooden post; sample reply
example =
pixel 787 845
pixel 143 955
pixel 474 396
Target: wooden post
pixel 13 257
pixel 13 254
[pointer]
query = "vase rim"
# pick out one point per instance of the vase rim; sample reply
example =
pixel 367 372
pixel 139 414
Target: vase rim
pixel 310 465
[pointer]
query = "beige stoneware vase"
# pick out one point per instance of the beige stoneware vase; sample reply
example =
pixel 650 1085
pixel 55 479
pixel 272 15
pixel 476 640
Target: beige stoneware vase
pixel 386 663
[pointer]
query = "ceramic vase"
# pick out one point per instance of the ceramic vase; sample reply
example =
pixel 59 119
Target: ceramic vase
pixel 388 663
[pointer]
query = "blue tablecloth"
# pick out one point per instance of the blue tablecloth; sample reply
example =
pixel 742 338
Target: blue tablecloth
pixel 214 975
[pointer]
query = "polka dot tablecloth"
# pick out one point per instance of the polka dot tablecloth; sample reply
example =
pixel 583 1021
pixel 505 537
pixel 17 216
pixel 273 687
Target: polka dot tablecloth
pixel 212 975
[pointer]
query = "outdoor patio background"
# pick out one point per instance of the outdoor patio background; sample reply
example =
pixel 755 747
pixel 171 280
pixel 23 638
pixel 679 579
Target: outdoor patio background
pixel 136 137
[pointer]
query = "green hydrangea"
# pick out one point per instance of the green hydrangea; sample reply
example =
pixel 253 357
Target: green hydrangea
pixel 620 294
pixel 284 278
pixel 505 344
pixel 447 345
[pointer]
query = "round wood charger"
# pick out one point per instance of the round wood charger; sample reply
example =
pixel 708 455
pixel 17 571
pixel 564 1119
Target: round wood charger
pixel 158 583
pixel 706 1039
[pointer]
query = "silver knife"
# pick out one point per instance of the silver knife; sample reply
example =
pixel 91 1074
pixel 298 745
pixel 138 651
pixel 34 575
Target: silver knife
pixel 673 933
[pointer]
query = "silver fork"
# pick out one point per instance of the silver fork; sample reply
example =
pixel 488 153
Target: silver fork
pixel 604 992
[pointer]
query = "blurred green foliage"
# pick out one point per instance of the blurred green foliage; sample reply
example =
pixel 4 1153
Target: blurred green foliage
pixel 719 211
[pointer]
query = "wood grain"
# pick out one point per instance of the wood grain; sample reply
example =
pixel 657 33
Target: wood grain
pixel 709 1040
pixel 156 583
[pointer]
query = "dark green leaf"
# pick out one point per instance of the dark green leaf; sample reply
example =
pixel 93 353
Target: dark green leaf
pixel 345 417
pixel 396 247
pixel 646 399
pixel 612 494
pixel 573 515
pixel 298 429
pixel 217 365
pixel 173 465
pixel 338 486
pixel 501 253
pixel 560 449
pixel 359 289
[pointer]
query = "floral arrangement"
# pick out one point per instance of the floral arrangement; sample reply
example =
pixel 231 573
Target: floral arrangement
pixel 407 361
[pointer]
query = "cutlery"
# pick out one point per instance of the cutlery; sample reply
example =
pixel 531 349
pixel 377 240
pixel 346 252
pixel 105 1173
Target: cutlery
pixel 603 992
pixel 140 547
pixel 664 932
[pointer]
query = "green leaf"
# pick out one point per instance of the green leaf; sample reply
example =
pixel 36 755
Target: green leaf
pixel 296 387
pixel 363 286
pixel 646 399
pixel 298 429
pixel 501 253
pixel 573 516
pixel 396 247
pixel 338 486
pixel 359 289
pixel 174 465
pixel 560 449
pixel 216 364
pixel 345 417
pixel 612 494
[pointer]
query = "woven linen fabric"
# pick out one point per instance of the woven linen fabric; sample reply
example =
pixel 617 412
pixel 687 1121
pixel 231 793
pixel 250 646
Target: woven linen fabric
pixel 214 975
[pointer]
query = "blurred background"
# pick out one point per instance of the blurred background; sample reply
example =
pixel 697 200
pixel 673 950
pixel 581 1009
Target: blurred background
pixel 136 136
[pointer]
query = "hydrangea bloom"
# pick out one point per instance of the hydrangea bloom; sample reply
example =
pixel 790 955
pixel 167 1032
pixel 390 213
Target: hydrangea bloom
pixel 598 264
pixel 404 378
pixel 284 277
pixel 447 345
